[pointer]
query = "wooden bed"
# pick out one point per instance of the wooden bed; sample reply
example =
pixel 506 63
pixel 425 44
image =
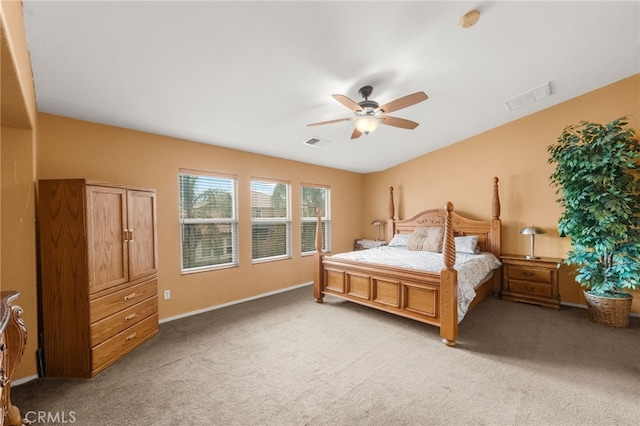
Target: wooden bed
pixel 423 296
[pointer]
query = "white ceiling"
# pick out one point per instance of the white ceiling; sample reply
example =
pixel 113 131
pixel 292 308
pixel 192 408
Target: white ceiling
pixel 251 75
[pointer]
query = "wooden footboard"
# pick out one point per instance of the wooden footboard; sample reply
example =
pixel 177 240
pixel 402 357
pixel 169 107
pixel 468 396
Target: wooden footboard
pixel 428 297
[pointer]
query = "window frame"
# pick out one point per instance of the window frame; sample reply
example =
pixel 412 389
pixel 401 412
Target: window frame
pixel 232 221
pixel 325 219
pixel 266 221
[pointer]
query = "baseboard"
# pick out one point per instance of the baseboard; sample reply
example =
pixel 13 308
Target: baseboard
pixel 23 380
pixel 577 305
pixel 574 305
pixel 235 302
pixel 282 290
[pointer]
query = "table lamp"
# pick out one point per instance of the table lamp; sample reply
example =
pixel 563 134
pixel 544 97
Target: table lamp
pixel 532 231
pixel 377 223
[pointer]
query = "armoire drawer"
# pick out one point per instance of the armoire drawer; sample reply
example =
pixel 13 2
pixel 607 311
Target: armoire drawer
pixel 107 305
pixel 114 348
pixel 113 324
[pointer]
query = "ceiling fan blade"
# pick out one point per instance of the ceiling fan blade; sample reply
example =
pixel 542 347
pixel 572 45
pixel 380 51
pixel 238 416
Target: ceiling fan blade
pixel 349 103
pixel 356 134
pixel 322 123
pixel 398 122
pixel 403 102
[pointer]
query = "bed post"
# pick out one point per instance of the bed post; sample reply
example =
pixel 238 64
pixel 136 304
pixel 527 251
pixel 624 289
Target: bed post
pixel 495 235
pixel 318 272
pixel 449 285
pixel 391 223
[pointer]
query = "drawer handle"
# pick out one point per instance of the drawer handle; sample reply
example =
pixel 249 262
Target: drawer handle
pixel 528 274
pixel 130 337
pixel 130 317
pixel 529 288
pixel 129 296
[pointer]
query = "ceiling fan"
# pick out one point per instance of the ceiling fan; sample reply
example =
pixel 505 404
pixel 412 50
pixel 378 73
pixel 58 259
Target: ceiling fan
pixel 369 114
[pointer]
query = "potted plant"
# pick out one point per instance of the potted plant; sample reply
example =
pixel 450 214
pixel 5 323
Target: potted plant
pixel 599 188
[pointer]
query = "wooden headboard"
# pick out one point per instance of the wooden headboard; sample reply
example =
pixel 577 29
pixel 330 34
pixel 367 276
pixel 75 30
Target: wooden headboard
pixel 488 231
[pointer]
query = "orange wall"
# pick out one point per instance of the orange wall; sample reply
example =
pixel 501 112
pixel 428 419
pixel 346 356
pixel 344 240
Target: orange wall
pixel 18 242
pixel 18 96
pixel 69 148
pixel 17 151
pixel 515 152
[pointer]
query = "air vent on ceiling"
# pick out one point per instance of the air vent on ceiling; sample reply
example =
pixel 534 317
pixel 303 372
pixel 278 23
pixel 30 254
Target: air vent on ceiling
pixel 529 97
pixel 316 142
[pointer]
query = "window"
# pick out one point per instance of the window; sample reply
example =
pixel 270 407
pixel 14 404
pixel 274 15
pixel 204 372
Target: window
pixel 270 220
pixel 311 198
pixel 208 221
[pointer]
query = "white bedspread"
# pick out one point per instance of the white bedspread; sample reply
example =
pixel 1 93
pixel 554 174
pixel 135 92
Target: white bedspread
pixel 472 268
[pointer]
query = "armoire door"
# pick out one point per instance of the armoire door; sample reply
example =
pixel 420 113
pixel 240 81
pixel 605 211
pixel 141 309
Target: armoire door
pixel 106 239
pixel 143 251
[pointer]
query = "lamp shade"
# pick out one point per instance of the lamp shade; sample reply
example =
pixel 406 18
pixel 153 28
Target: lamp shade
pixel 367 123
pixel 532 230
pixel 377 223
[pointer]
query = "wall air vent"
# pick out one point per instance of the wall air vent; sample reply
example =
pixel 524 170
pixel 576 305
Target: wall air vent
pixel 316 142
pixel 529 97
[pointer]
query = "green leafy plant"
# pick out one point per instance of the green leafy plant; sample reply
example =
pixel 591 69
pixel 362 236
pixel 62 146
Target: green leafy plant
pixel 599 189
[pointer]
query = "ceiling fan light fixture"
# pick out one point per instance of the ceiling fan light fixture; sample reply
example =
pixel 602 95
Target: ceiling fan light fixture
pixel 369 114
pixel 367 123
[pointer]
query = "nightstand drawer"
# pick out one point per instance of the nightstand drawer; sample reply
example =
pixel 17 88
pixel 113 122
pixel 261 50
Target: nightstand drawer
pixel 529 274
pixel 530 288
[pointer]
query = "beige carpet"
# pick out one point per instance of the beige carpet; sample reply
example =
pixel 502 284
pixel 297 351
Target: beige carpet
pixel 285 360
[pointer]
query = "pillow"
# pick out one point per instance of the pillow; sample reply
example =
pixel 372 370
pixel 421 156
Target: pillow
pixel 426 238
pixel 468 244
pixel 399 240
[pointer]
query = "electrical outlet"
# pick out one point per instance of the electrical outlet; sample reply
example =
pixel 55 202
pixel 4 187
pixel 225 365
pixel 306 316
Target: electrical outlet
pixel 167 294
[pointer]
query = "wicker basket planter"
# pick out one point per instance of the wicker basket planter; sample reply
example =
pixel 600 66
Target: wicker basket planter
pixel 611 311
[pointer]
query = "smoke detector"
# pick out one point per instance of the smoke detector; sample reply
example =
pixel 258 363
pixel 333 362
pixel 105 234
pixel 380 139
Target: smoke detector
pixel 470 18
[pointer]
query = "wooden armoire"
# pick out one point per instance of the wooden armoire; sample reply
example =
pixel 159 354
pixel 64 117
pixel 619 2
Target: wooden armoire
pixel 98 281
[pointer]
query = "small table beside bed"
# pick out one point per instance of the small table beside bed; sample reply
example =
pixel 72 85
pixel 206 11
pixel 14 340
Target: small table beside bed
pixel 436 267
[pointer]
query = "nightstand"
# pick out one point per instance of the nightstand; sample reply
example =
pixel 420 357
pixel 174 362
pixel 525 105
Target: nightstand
pixel 531 280
pixel 367 244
